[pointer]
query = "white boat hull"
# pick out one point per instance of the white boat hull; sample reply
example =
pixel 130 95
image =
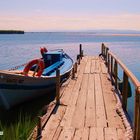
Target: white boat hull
pixel 16 88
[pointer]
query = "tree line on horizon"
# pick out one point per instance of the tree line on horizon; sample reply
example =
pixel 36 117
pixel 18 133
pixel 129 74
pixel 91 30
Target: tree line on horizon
pixel 11 32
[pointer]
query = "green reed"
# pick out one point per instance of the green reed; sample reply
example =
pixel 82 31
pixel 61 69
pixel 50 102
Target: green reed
pixel 18 122
pixel 19 130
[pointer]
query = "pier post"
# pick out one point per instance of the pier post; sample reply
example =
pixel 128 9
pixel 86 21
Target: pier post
pixel 73 72
pixel 137 115
pixel 116 74
pixel 124 91
pixel 106 55
pixel 78 59
pixel 75 67
pixel 80 51
pixel 111 69
pixel 39 128
pixel 57 86
pixel 102 49
pixel 108 63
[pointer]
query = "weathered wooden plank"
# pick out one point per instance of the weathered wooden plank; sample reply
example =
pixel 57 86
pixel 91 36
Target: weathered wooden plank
pixel 67 134
pixel 93 66
pixel 53 123
pixel 82 134
pixel 96 57
pixel 120 134
pixel 110 133
pixel 100 109
pixel 78 134
pixel 110 104
pixel 98 91
pixel 85 134
pixel 96 133
pixel 67 92
pixel 90 112
pixel 73 99
pixel 100 132
pixel 97 66
pixel 90 104
pixel 101 116
pixel 93 134
pixel 57 133
pixel 103 68
pixel 88 65
pixel 78 119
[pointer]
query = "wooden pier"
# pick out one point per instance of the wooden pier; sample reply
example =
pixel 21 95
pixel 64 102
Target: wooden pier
pixel 89 107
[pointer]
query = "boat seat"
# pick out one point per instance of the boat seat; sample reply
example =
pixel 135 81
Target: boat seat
pixel 50 69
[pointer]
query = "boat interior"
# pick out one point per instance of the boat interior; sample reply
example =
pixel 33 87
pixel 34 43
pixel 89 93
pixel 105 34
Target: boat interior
pixel 52 60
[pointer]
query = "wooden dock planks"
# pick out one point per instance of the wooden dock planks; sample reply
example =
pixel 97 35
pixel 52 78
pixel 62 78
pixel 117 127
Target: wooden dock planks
pixel 88 65
pixel 110 103
pixel 67 134
pixel 111 134
pixel 88 107
pixel 80 106
pixel 53 123
pixel 96 133
pixel 90 104
pixel 73 99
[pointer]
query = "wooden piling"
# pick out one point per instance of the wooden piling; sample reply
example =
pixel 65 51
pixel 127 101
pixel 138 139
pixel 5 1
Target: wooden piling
pixel 116 74
pixel 82 53
pixel 137 115
pixel 125 91
pixel 75 67
pixel 73 72
pixel 80 50
pixel 108 63
pixel 111 69
pixel 106 55
pixel 138 120
pixel 78 59
pixel 57 86
pixel 102 49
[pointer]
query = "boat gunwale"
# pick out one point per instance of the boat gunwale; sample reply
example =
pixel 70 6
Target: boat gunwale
pixel 8 72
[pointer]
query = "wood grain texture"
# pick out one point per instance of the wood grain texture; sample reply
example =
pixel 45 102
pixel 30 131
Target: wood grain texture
pixel 89 111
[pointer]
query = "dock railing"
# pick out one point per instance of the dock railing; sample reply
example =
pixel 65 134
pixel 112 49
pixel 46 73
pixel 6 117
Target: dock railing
pixel 112 63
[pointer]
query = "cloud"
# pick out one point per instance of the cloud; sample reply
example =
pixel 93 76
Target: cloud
pixel 85 22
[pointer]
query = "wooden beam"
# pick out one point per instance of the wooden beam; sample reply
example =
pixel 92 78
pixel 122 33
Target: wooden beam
pixel 111 134
pixel 116 74
pixel 90 104
pixel 125 91
pixel 67 134
pixel 57 86
pixel 78 120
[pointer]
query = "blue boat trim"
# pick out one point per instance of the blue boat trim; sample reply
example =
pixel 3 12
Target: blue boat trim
pixel 14 90
pixel 51 68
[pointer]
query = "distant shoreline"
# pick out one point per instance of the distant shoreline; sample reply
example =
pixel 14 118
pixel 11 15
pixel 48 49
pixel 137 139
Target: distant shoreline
pixel 11 32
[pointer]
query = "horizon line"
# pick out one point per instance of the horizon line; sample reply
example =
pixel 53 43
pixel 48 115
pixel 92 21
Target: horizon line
pixel 92 30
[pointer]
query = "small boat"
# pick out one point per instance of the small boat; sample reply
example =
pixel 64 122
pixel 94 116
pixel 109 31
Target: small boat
pixel 34 78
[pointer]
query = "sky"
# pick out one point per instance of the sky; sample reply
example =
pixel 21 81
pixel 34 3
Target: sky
pixel 61 15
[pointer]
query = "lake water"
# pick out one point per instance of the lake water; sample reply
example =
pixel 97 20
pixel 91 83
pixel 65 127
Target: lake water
pixel 18 49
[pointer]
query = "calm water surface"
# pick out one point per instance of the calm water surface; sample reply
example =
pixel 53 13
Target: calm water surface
pixel 18 49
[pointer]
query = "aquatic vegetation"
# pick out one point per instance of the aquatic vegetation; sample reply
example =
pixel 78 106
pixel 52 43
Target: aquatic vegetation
pixel 20 130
